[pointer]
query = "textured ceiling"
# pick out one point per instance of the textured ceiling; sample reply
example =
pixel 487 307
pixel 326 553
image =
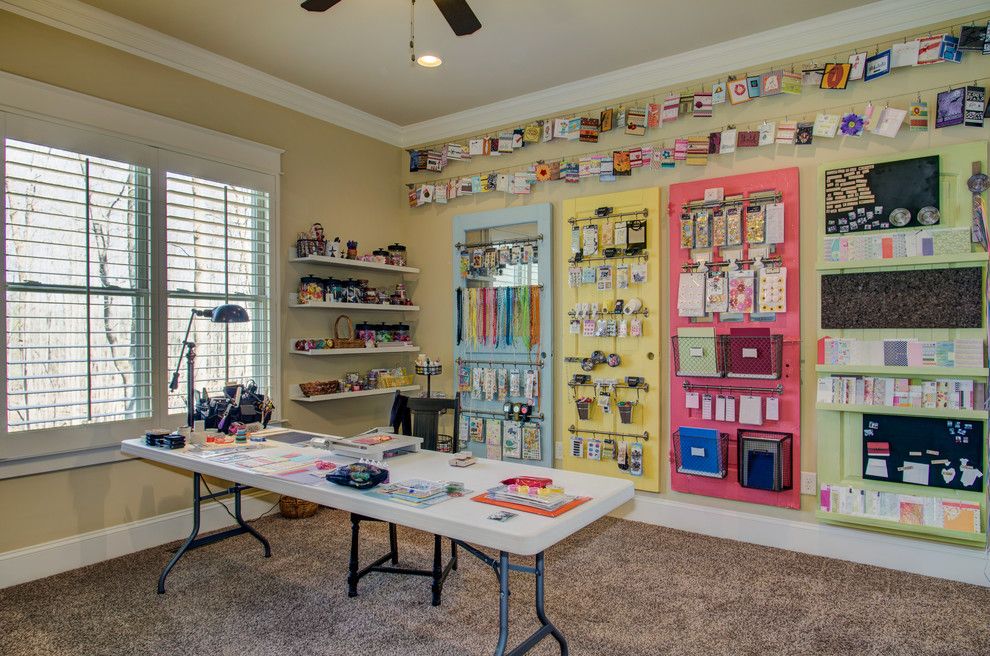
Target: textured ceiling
pixel 357 52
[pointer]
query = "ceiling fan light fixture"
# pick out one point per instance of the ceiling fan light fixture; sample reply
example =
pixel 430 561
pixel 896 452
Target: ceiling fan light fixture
pixel 429 61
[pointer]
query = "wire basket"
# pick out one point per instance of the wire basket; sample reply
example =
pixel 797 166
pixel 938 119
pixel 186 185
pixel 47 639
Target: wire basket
pixel 390 380
pixel 765 460
pixel 700 452
pixel 307 247
pixel 697 356
pixel 583 409
pixel 752 356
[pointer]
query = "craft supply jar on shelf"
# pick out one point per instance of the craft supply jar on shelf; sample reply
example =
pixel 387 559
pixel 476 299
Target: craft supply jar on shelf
pixel 381 256
pixel 334 290
pixel 311 289
pixel 397 254
pixel 402 333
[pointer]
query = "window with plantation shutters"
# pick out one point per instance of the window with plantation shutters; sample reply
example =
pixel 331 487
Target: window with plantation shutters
pixel 78 290
pixel 218 252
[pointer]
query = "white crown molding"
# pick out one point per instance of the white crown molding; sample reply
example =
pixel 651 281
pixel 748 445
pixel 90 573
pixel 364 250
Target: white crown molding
pixel 829 31
pixel 106 28
pixel 823 33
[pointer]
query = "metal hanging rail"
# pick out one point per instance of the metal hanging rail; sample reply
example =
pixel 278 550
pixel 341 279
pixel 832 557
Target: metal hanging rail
pixel 645 386
pixel 776 259
pixel 523 363
pixel 645 212
pixel 612 313
pixel 501 242
pixel 625 256
pixel 753 199
pixel 495 413
pixel 645 435
pixel 777 389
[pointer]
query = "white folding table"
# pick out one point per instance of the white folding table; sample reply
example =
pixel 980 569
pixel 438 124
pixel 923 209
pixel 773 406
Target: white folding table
pixel 462 520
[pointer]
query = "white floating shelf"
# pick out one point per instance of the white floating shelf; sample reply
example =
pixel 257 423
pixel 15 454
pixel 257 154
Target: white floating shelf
pixel 354 306
pixel 378 350
pixel 296 394
pixel 323 260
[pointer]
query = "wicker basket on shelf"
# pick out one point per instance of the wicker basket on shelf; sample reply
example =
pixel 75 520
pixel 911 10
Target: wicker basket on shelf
pixel 348 342
pixel 293 508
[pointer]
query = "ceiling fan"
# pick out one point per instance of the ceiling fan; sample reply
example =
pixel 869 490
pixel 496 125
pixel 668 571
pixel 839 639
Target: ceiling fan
pixel 457 12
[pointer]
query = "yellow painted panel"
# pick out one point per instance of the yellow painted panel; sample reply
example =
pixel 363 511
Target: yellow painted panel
pixel 640 356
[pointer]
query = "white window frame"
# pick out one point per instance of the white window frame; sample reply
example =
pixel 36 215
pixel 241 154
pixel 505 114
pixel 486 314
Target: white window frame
pixel 51 116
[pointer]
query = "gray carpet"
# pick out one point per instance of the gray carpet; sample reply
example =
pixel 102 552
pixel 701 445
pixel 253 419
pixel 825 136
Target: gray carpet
pixel 615 588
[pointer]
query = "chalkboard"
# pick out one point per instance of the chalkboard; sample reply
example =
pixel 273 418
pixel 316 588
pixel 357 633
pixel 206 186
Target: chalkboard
pixel 859 198
pixel 918 444
pixel 929 298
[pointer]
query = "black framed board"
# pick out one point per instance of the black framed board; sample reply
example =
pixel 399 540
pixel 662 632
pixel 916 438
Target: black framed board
pixel 945 453
pixel 861 198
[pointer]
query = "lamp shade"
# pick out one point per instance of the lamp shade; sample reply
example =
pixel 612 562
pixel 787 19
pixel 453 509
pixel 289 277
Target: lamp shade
pixel 229 314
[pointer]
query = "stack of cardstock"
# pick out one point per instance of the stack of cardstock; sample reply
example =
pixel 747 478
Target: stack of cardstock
pixel 962 516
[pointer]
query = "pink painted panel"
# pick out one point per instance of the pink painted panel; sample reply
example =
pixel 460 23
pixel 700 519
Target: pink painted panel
pixel 787 324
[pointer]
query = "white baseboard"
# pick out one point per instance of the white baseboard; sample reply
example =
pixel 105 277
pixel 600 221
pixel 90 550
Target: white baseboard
pixel 944 561
pixel 48 558
pixel 916 556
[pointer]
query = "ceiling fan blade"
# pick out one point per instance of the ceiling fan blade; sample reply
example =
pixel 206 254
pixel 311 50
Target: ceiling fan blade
pixel 318 5
pixel 459 15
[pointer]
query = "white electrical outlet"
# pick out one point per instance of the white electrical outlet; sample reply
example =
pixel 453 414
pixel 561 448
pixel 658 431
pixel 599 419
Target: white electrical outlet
pixel 558 450
pixel 809 483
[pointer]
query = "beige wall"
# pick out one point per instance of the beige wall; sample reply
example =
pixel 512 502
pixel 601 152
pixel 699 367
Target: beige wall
pixel 430 238
pixel 345 180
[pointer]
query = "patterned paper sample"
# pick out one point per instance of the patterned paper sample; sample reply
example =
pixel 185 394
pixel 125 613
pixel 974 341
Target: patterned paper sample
pixel 716 293
pixel 773 290
pixel 512 440
pixel 687 232
pixel 531 442
pixel 691 294
pixel 755 226
pixel 741 291
pixel 733 226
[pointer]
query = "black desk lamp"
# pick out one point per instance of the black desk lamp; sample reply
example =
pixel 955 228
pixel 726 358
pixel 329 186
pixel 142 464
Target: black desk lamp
pixel 219 314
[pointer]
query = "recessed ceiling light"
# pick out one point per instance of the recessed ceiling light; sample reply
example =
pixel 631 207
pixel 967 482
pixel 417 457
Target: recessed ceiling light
pixel 429 61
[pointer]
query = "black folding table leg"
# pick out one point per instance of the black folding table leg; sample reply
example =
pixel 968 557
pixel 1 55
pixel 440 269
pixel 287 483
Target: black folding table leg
pixel 195 542
pixel 352 573
pixel 393 543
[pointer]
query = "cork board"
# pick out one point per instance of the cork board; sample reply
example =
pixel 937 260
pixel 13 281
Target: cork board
pixel 859 198
pixel 932 298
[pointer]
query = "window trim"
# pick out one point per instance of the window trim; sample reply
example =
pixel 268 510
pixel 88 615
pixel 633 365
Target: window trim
pixel 116 131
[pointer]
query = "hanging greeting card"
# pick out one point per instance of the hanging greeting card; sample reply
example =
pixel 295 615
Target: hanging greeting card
pixel 728 141
pixel 974 106
pixel 753 85
pixel 857 65
pixel 825 125
pixel 771 82
pixel 668 111
pixel 589 130
pixel 748 139
pixel 836 76
pixel 851 125
pixel 620 163
pixel 702 105
pixel 918 116
pixel 889 122
pixel 653 115
pixel 738 92
pixel 636 121
pixel 877 66
pixel 803 135
pixel 768 131
pixel 605 120
pixel 718 93
pixel 790 83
